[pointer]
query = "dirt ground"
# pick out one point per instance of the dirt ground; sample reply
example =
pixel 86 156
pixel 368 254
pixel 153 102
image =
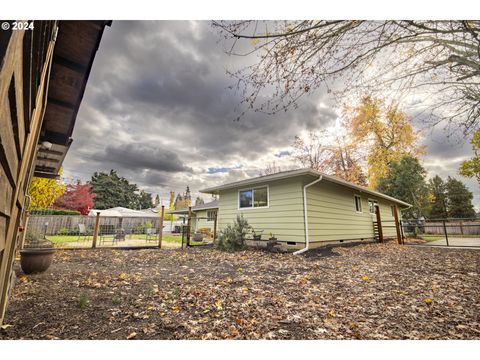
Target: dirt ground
pixel 369 291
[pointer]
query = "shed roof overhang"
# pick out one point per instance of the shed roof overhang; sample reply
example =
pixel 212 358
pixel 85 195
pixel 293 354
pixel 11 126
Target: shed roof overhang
pixel 75 48
pixel 208 206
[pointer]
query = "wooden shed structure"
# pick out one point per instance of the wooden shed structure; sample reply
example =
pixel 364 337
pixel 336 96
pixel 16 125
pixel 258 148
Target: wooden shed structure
pixel 43 74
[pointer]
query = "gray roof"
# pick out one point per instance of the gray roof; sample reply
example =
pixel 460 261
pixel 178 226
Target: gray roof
pixel 299 172
pixel 123 212
pixel 211 205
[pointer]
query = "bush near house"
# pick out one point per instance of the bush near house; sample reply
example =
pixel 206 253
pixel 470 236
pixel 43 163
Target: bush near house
pixel 233 237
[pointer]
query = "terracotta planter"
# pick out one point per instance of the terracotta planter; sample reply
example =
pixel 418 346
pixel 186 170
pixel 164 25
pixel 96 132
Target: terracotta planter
pixel 36 260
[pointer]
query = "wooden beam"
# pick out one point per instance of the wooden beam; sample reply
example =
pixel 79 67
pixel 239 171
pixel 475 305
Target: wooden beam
pixel 397 224
pixel 379 224
pixel 61 103
pixel 50 152
pixel 72 65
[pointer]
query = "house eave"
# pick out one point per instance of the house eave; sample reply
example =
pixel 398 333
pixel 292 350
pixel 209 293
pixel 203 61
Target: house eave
pixel 296 173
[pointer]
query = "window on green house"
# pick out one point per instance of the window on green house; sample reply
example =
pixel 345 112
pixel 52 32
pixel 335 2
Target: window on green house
pixel 211 215
pixel 253 198
pixel 371 206
pixel 358 203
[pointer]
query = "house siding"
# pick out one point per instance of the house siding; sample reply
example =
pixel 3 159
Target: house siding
pixel 284 216
pixel 332 215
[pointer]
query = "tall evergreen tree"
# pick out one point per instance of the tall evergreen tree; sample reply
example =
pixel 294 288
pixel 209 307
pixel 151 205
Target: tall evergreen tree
pixel 112 190
pixel 459 199
pixel 144 200
pixel 406 181
pixel 438 192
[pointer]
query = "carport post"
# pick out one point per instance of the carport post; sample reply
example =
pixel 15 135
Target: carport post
pixel 446 233
pixel 379 224
pixel 160 231
pixel 95 231
pixel 215 226
pixel 397 224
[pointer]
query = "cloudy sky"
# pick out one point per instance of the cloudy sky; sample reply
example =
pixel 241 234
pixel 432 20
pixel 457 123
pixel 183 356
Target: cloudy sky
pixel 159 110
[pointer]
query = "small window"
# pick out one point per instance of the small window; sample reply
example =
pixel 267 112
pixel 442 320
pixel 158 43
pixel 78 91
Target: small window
pixel 246 197
pixel 393 210
pixel 371 206
pixel 358 203
pixel 253 198
pixel 211 214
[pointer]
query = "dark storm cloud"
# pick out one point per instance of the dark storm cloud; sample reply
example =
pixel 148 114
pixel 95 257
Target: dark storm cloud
pixel 159 110
pixel 144 156
pixel 166 83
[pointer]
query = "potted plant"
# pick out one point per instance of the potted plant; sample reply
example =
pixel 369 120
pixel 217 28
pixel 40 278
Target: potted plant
pixel 37 253
pixel 272 237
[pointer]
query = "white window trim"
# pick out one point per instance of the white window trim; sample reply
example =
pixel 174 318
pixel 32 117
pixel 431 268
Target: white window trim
pixel 374 201
pixel 252 207
pixel 355 203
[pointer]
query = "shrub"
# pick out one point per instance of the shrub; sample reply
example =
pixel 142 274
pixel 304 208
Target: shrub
pixel 35 240
pixel 233 237
pixel 44 211
pixel 141 228
pixel 63 232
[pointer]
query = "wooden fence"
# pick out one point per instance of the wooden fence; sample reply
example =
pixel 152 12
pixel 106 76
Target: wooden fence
pixel 453 227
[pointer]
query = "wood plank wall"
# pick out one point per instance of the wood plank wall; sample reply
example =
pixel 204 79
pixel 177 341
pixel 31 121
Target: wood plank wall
pixel 23 75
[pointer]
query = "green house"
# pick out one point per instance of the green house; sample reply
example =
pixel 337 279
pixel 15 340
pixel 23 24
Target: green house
pixel 305 209
pixel 203 216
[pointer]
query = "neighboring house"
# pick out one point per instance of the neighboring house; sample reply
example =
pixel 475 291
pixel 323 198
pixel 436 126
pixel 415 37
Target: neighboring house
pixel 203 216
pixel 305 208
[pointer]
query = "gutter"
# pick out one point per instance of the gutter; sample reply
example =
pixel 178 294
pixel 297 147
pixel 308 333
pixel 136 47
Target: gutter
pixel 305 214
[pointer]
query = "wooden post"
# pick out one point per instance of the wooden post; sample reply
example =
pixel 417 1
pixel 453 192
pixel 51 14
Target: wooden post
pixel 446 232
pixel 397 224
pixel 160 231
pixel 401 231
pixel 189 224
pixel 379 224
pixel 95 231
pixel 215 225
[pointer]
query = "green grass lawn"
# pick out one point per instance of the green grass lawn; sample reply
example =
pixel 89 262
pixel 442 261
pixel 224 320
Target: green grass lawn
pixel 65 239
pixel 428 237
pixel 62 239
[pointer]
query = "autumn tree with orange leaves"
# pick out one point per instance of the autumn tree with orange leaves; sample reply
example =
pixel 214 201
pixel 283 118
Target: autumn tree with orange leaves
pixel 338 157
pixel 385 133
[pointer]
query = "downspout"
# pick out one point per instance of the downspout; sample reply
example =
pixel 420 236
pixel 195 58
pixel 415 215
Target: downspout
pixel 305 214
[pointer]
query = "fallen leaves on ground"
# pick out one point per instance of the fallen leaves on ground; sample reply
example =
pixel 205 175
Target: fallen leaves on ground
pixel 202 293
